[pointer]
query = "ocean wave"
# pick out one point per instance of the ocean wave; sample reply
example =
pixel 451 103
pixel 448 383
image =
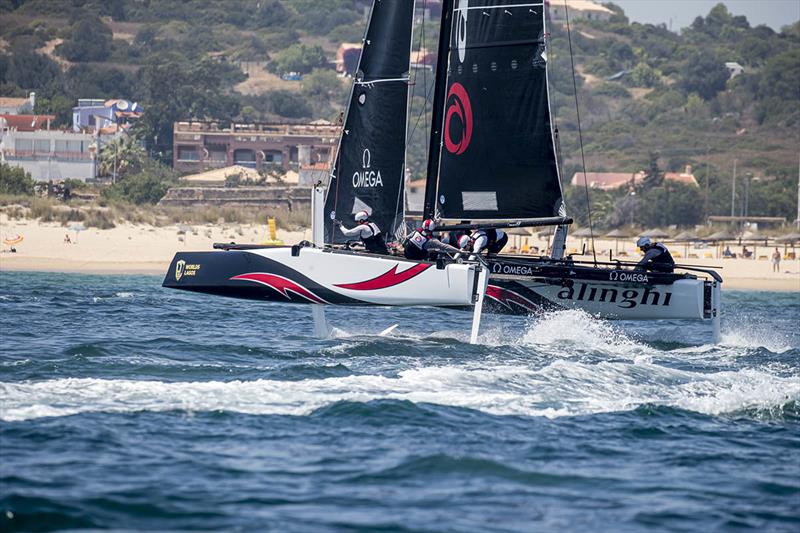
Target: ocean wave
pixel 562 388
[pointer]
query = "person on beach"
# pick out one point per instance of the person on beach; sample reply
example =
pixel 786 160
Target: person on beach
pixel 776 261
pixel 656 256
pixel 368 232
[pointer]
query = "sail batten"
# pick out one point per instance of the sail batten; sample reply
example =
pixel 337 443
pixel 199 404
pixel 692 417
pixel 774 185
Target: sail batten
pixel 497 155
pixel 368 172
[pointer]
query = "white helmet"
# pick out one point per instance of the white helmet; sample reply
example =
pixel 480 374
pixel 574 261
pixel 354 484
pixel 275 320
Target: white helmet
pixel 361 215
pixel 463 242
pixel 643 242
pixel 429 225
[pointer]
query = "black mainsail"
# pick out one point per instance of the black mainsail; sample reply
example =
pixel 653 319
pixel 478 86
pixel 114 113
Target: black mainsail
pixel 369 170
pixel 497 154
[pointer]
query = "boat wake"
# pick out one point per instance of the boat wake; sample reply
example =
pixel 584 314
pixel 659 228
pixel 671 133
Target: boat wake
pixel 562 388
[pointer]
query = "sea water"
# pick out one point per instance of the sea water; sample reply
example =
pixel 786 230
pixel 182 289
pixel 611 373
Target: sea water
pixel 127 406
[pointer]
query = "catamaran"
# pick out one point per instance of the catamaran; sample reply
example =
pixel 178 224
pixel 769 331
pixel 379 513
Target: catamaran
pixel 493 164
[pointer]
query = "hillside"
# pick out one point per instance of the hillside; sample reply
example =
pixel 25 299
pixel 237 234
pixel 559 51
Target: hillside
pixel 669 102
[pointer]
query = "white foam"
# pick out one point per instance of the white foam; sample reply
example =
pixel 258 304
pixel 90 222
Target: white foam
pixel 563 388
pixel 576 330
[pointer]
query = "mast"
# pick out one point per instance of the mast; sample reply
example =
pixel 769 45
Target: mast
pixel 437 120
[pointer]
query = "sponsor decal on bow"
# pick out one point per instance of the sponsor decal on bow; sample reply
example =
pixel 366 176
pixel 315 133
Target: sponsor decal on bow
pixel 506 298
pixel 387 279
pixel 624 298
pixel 179 266
pixel 280 284
pixel 182 269
pixel 460 109
pixel 621 275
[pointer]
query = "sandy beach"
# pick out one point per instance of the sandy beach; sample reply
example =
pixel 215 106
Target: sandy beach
pixel 144 249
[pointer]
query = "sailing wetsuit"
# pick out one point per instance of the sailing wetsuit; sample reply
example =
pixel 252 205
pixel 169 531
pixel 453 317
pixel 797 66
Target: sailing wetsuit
pixel 491 240
pixel 657 258
pixel 370 235
pixel 416 245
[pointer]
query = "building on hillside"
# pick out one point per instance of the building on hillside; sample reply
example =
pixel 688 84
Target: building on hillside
pixel 347 58
pixel 415 193
pixel 613 180
pixel 423 58
pixel 110 115
pixel 201 146
pixel 313 173
pixel 578 9
pixel 734 69
pixel 17 106
pixel 348 54
pixel 28 142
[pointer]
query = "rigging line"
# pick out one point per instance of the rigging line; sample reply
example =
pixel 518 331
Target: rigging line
pixel 379 80
pixel 580 135
pixel 401 196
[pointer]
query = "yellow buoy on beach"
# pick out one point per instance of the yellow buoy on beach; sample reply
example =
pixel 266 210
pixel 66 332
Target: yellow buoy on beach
pixel 273 234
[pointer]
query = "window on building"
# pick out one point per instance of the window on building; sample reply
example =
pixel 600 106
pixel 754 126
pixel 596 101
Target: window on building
pixel 188 153
pixel 217 155
pixel 23 145
pixel 75 147
pixel 41 146
pixel 273 157
pixel 246 158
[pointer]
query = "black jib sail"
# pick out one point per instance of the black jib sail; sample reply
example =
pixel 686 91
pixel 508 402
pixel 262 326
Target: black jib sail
pixel 498 158
pixel 369 168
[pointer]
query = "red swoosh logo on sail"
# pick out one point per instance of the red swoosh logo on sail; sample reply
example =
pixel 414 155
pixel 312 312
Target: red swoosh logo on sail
pixel 506 298
pixel 280 284
pixel 387 279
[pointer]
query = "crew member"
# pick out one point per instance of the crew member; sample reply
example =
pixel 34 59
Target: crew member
pixel 368 232
pixel 491 240
pixel 656 256
pixel 420 243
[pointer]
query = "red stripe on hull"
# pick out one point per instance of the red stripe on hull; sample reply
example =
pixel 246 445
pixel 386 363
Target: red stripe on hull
pixel 387 279
pixel 280 284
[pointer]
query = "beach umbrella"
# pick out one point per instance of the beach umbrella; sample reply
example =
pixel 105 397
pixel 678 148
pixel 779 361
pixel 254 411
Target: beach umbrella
pixel 655 233
pixel 583 233
pixel 12 241
pixel 686 237
pixel 719 236
pixel 545 233
pixel 517 234
pixel 617 234
pixel 789 238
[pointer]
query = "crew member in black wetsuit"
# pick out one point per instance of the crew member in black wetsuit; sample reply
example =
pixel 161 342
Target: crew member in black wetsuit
pixel 491 240
pixel 368 232
pixel 419 244
pixel 656 256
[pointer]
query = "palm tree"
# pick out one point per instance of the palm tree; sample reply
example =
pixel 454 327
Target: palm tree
pixel 121 156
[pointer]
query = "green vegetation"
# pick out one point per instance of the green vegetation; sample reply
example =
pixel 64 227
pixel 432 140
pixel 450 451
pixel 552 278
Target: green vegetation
pixel 642 89
pixel 297 58
pixel 14 180
pixel 147 186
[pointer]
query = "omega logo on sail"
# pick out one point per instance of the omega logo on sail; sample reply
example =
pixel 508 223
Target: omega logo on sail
pixel 367 177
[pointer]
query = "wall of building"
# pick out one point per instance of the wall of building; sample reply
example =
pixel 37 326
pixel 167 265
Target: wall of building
pixel 271 197
pixel 201 146
pixel 49 154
